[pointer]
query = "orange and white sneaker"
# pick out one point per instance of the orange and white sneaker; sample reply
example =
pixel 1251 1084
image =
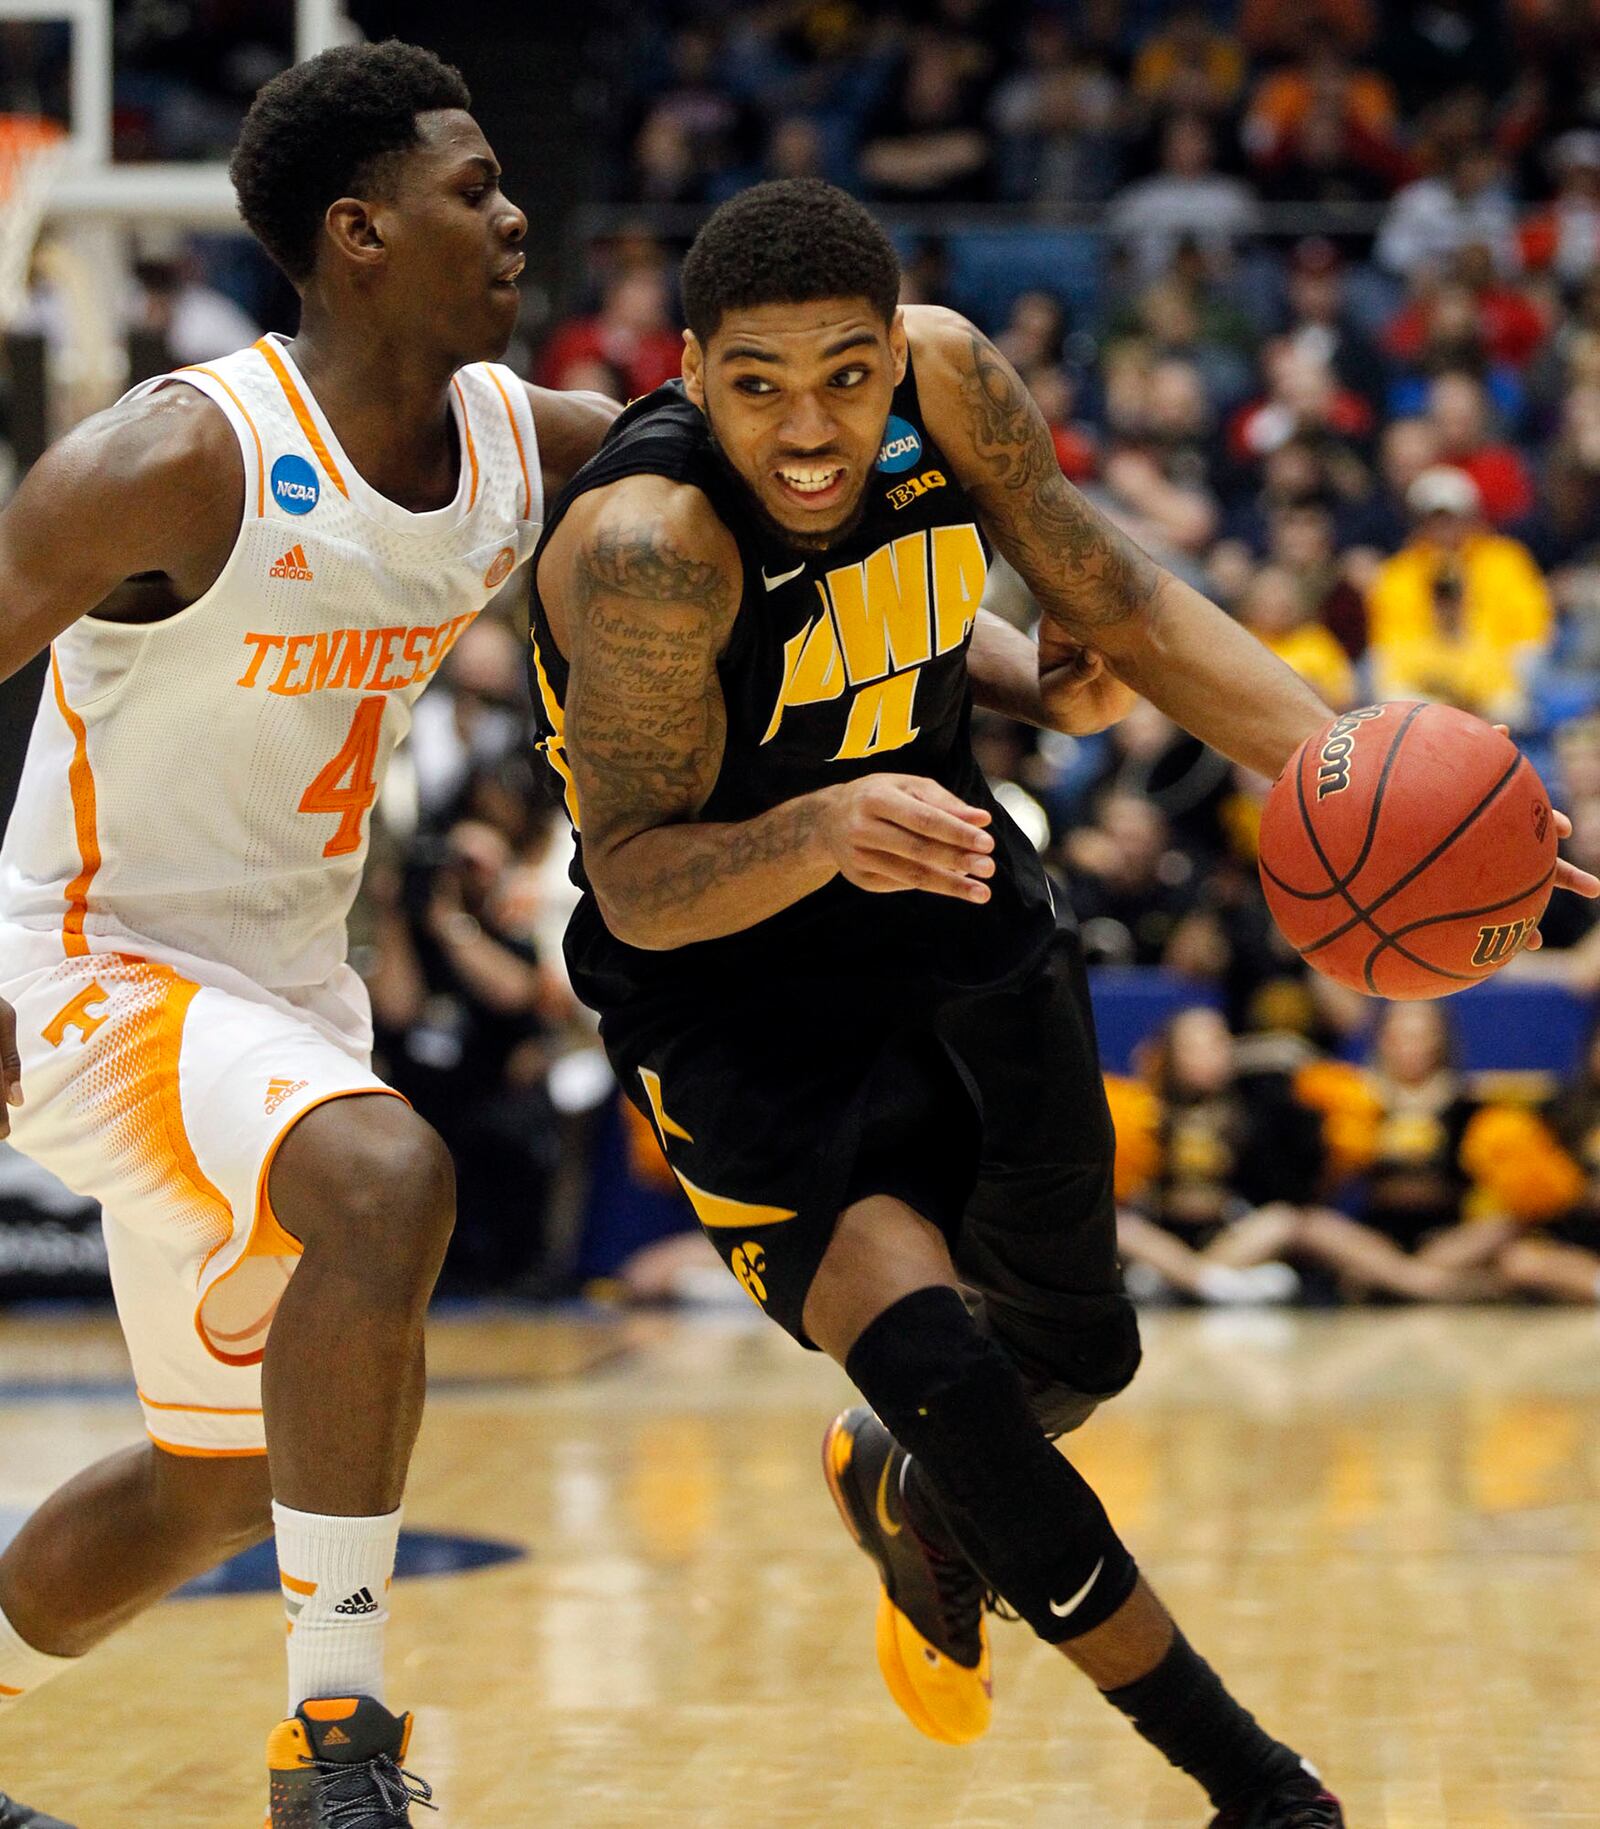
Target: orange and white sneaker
pixel 336 1764
pixel 933 1641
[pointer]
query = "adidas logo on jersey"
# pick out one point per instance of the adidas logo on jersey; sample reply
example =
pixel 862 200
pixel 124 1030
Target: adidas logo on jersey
pixel 359 1602
pixel 279 1090
pixel 293 565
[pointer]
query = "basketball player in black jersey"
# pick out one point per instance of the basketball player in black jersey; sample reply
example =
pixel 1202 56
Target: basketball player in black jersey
pixel 826 962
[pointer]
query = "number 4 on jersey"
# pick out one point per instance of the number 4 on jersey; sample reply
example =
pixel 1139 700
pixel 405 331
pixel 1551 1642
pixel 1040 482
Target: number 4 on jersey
pixel 349 784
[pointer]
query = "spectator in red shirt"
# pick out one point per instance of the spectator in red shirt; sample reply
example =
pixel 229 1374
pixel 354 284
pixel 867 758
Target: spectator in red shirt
pixel 1458 410
pixel 1303 398
pixel 632 332
pixel 1505 323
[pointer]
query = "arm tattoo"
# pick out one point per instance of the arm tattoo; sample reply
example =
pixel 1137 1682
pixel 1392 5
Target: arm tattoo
pixel 645 718
pixel 726 851
pixel 1086 575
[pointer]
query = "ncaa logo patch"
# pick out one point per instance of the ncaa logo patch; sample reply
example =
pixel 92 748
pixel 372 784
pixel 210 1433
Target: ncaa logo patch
pixel 902 446
pixel 294 484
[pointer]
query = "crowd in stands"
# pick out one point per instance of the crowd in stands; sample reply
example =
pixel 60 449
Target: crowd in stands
pixel 1311 306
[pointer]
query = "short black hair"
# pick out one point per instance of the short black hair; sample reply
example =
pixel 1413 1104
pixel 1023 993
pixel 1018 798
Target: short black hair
pixel 316 132
pixel 784 243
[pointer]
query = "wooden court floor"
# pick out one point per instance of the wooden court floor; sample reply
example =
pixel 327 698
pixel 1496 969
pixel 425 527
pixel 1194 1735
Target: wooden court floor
pixel 1384 1527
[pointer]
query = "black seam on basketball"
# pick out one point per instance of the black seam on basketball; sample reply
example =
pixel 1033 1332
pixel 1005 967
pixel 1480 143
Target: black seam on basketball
pixel 1444 844
pixel 1455 914
pixel 1406 722
pixel 1472 914
pixel 1339 883
pixel 1411 958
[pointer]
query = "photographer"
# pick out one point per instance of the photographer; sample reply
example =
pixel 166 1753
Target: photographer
pixel 464 1015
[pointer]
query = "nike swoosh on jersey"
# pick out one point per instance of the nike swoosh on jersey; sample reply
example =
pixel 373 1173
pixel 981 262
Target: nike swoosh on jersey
pixel 1063 1607
pixel 782 578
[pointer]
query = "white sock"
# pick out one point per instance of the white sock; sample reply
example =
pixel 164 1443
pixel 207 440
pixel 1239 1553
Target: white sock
pixel 22 1669
pixel 335 1574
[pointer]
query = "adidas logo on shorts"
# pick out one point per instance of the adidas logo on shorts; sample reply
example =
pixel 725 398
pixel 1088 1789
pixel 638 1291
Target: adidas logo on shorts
pixel 293 565
pixel 359 1602
pixel 279 1090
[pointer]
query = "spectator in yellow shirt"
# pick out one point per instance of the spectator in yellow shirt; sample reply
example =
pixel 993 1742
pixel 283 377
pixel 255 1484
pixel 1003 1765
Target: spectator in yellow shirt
pixel 1273 607
pixel 1459 612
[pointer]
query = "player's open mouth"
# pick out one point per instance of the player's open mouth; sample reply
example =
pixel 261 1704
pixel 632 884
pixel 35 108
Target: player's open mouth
pixel 812 485
pixel 511 272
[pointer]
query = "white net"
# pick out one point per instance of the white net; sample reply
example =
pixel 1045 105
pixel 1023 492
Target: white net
pixel 31 153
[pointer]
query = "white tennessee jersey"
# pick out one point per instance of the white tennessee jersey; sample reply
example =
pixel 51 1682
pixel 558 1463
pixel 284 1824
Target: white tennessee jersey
pixel 202 788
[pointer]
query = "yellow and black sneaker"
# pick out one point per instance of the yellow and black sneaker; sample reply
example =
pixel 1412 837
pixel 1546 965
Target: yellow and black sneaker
pixel 18 1816
pixel 933 1641
pixel 336 1764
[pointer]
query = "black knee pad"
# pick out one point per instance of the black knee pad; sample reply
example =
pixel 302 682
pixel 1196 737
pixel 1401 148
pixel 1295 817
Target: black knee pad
pixel 1071 1360
pixel 1028 1520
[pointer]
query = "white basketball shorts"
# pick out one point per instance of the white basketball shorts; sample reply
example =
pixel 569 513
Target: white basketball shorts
pixel 165 1098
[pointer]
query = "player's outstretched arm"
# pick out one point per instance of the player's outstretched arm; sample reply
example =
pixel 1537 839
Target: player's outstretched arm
pixel 151 486
pixel 1095 587
pixel 644 583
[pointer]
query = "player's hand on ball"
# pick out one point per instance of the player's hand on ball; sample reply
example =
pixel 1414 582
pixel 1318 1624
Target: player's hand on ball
pixel 1077 690
pixel 10 1066
pixel 892 832
pixel 1568 876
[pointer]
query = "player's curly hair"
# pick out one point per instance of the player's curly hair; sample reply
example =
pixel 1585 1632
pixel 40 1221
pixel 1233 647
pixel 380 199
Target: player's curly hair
pixel 783 243
pixel 320 130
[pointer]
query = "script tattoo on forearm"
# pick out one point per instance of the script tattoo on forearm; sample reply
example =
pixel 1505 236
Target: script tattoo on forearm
pixel 724 852
pixel 1085 574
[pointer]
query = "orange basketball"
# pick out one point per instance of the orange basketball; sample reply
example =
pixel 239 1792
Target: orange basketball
pixel 1407 850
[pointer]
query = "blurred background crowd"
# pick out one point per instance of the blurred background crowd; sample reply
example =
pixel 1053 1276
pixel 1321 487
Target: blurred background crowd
pixel 1308 294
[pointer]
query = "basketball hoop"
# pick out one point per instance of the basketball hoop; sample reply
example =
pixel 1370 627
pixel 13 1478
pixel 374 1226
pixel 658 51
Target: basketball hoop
pixel 31 152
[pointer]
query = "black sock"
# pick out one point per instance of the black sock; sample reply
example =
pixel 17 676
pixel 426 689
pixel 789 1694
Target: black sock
pixel 1184 1712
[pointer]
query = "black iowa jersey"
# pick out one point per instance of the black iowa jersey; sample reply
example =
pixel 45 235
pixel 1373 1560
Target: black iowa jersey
pixel 840 663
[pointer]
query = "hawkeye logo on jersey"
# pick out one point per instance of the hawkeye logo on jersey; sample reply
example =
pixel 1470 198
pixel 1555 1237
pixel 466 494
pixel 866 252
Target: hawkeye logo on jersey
pixel 293 565
pixel 294 484
pixel 902 446
pixel 912 600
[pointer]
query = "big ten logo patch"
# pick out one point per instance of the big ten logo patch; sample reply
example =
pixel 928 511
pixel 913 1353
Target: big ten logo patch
pixel 882 620
pixel 80 1016
pixel 1333 759
pixel 748 1263
pixel 903 494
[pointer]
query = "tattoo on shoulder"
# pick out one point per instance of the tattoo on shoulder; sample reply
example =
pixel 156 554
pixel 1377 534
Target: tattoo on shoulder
pixel 645 717
pixel 1085 573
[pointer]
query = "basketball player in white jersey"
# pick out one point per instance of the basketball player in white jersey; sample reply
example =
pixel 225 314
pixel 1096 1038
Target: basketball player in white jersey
pixel 246 573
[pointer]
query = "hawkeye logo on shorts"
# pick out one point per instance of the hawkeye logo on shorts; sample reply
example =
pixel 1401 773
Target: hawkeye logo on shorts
pixel 902 446
pixel 748 1262
pixel 294 484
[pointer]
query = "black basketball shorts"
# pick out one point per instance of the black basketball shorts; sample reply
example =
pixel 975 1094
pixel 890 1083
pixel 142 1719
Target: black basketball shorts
pixel 984 1112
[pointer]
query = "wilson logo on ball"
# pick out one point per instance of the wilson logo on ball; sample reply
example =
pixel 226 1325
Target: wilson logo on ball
pixel 1333 762
pixel 1498 943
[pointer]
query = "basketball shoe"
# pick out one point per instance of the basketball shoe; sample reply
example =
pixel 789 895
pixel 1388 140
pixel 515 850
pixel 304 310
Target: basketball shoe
pixel 335 1764
pixel 18 1816
pixel 1293 1803
pixel 933 1642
